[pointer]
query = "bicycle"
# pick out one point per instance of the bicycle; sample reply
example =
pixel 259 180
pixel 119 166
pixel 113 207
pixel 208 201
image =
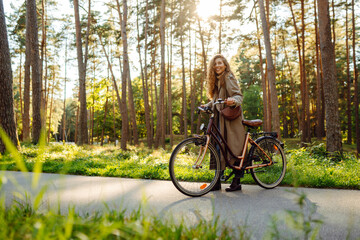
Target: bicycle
pixel 194 164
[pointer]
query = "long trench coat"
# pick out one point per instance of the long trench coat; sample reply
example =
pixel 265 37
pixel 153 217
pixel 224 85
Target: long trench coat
pixel 233 131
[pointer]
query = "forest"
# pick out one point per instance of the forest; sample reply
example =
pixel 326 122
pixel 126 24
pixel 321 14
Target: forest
pixel 124 72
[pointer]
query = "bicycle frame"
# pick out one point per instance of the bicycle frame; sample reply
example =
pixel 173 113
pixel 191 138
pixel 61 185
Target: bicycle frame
pixel 212 132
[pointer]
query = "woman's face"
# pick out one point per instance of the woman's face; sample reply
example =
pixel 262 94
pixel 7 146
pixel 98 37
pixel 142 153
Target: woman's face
pixel 219 66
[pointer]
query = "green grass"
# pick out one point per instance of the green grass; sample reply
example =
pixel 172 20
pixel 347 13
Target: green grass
pixel 94 161
pixel 23 219
pixel 306 167
pixel 310 167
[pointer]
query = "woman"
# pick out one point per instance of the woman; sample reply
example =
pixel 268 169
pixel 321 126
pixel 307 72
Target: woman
pixel 221 83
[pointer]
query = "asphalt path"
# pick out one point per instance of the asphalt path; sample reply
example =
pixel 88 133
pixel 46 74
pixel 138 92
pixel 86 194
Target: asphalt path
pixel 252 207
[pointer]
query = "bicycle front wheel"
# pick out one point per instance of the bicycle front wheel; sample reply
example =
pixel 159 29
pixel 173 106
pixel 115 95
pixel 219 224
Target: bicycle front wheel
pixel 270 176
pixel 194 170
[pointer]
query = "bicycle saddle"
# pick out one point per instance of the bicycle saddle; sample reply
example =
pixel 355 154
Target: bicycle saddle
pixel 252 123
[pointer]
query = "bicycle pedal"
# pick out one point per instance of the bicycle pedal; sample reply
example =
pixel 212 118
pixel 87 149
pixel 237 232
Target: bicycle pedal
pixel 223 178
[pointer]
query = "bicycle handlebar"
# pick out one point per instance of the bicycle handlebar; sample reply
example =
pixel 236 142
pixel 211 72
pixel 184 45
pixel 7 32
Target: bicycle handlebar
pixel 219 101
pixel 204 109
pixel 208 109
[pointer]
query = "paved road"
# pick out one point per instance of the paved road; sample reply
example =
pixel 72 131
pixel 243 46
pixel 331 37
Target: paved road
pixel 253 206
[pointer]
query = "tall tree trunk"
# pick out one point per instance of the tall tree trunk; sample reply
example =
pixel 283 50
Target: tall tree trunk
pixel 333 24
pixel 333 134
pixel 92 110
pixel 51 106
pixel 302 123
pixel 132 110
pixel 306 102
pixel 183 72
pixel 87 36
pixel 271 72
pixel 204 57
pixel 144 77
pixel 184 112
pixel 77 122
pixel 151 92
pixel 153 84
pixel 26 113
pixel 160 128
pixel 20 90
pixel 7 118
pixel 263 81
pixel 45 87
pixel 31 26
pixel 220 25
pixel 129 137
pixel 268 96
pixel 320 129
pixel 105 115
pixel 83 131
pixel 43 53
pixel 348 112
pixel 65 79
pixel 192 86
pixel 114 117
pixel 146 93
pixel 356 87
pixel 169 80
pixel 124 112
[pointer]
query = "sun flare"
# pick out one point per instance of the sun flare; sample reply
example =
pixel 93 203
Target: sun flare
pixel 207 8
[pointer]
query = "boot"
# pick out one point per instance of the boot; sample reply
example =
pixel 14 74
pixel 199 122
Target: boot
pixel 235 185
pixel 217 186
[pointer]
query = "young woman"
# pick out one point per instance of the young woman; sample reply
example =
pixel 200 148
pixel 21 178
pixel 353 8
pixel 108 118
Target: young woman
pixel 221 83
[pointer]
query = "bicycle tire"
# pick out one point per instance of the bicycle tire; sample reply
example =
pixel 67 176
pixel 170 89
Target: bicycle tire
pixel 189 180
pixel 270 176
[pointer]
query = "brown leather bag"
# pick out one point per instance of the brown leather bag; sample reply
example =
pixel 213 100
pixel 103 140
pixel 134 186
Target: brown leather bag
pixel 231 113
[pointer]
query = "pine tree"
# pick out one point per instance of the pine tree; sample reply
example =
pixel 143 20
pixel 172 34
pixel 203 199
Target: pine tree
pixel 7 119
pixel 271 71
pixel 333 134
pixel 32 38
pixel 83 131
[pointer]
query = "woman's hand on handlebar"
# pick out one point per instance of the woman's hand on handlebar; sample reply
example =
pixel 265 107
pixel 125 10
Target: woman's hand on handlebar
pixel 230 101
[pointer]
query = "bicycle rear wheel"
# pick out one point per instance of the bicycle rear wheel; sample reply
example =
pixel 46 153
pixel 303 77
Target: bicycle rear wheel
pixel 270 176
pixel 189 174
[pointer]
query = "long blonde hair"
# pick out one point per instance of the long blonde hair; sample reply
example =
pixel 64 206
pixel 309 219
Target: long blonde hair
pixel 212 76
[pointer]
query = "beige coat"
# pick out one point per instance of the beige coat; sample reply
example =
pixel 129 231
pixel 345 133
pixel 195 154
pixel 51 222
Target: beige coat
pixel 235 130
